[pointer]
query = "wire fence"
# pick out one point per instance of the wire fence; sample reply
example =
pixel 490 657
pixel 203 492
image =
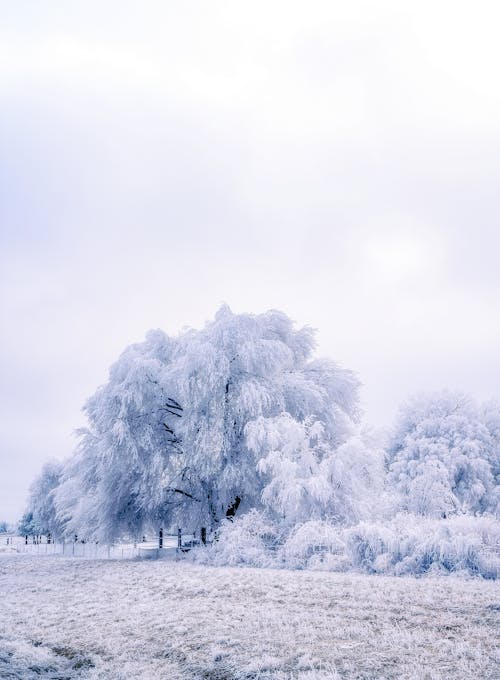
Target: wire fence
pixel 147 547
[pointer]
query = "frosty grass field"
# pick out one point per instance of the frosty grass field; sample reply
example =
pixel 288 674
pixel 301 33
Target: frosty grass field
pixel 64 617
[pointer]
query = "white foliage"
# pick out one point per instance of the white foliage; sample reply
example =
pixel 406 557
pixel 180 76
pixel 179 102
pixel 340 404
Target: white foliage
pixel 41 510
pixel 166 441
pixel 314 544
pixel 406 545
pixel 444 456
pixel 307 477
pixel 414 545
pixel 296 487
pixel 246 541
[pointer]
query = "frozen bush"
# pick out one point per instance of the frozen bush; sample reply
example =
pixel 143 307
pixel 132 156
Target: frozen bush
pixel 248 541
pixel 407 545
pixel 416 546
pixel 365 542
pixel 314 544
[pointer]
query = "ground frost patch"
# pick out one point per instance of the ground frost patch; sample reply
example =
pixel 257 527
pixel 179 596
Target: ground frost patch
pixel 118 620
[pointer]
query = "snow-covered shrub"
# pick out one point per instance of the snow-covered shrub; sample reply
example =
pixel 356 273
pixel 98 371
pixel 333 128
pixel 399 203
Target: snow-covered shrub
pixel 406 545
pixel 414 545
pixel 314 544
pixel 444 456
pixel 248 540
pixel 365 542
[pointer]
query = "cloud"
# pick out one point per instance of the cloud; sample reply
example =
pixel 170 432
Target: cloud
pixel 338 161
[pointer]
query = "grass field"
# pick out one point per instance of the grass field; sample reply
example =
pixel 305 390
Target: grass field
pixel 123 619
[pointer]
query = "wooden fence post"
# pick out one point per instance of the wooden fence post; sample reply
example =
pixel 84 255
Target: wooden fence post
pixel 204 535
pixel 179 538
pixel 160 539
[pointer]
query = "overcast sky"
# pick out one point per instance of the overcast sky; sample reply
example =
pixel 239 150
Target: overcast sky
pixel 336 160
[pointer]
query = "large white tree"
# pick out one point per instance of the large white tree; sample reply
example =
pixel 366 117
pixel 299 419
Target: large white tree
pixel 444 455
pixel 166 439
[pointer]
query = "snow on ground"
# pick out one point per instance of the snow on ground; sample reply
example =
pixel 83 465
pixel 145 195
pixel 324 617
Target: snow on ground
pixel 63 617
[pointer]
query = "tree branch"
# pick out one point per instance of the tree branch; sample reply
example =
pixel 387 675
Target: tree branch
pixel 184 493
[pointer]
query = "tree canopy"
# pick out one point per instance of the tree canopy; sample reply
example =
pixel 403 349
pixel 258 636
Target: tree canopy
pixel 444 455
pixel 166 439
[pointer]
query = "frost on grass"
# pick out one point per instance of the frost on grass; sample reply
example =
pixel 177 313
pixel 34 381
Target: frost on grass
pixel 176 620
pixel 27 660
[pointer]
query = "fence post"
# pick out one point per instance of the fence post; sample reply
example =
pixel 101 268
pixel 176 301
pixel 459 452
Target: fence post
pixel 204 535
pixel 160 539
pixel 179 538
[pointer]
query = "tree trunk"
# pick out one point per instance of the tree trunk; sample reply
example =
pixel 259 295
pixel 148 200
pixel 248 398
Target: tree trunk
pixel 231 511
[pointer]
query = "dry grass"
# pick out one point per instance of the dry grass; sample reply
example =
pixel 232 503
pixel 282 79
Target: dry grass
pixel 65 618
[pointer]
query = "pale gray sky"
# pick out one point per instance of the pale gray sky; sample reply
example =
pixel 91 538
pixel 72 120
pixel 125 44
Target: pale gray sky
pixel 339 161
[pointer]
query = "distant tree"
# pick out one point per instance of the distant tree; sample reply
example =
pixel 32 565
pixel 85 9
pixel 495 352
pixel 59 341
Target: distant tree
pixel 443 457
pixel 4 527
pixel 27 526
pixel 489 414
pixel 41 516
pixel 166 440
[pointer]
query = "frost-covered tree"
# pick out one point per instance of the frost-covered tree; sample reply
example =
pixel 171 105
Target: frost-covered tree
pixel 310 475
pixel 444 454
pixel 291 455
pixel 41 516
pixel 27 527
pixel 489 413
pixel 166 440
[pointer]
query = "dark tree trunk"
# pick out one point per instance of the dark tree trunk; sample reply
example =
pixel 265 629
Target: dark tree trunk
pixel 231 511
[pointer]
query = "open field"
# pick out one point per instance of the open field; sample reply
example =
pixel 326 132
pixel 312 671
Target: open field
pixel 63 617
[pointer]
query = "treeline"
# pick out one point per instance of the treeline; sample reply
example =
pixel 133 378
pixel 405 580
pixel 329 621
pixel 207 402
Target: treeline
pixel 200 429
